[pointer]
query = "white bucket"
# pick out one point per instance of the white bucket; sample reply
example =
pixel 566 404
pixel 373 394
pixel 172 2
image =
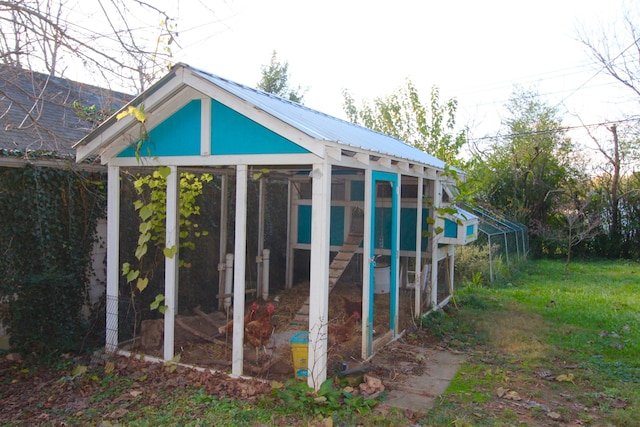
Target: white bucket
pixel 381 279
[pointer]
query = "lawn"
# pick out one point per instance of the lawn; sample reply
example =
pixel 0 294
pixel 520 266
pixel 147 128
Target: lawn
pixel 549 348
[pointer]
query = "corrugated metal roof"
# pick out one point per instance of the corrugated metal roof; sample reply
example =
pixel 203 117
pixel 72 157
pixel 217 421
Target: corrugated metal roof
pixel 323 126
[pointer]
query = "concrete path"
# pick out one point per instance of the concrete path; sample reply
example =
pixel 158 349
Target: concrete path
pixel 420 381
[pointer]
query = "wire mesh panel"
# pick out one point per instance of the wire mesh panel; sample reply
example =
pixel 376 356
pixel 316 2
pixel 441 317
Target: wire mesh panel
pixel 501 242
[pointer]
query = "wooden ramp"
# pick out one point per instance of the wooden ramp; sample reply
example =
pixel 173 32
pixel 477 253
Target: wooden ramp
pixel 337 267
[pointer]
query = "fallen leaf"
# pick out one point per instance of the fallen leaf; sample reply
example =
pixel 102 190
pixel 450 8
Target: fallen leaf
pixel 500 392
pixel 512 395
pixel 554 415
pixel 135 393
pixel 565 378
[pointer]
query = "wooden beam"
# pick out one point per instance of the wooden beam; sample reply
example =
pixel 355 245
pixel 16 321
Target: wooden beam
pixel 319 274
pixel 237 361
pixel 113 258
pixel 171 264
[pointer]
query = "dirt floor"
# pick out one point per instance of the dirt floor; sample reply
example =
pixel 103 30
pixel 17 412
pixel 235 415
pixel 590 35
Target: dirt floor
pixel 198 342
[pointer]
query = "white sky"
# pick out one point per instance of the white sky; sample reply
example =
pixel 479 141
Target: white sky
pixel 475 51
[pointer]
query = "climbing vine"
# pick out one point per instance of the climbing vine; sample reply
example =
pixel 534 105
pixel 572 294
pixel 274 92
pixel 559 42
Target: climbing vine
pixel 151 209
pixel 48 220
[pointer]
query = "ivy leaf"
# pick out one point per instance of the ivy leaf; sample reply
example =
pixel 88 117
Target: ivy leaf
pixel 142 283
pixel 137 204
pixel 125 268
pixel 132 275
pixel 164 171
pixel 156 302
pixel 170 252
pixel 146 212
pixel 439 230
pixel 135 112
pixel 145 227
pixel 144 238
pixel 141 251
pixel 430 221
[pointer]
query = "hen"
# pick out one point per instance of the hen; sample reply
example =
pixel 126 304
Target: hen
pixel 258 331
pixel 251 314
pixel 344 332
pixel 352 306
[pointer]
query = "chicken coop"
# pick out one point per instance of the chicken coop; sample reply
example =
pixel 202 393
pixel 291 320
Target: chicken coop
pixel 229 206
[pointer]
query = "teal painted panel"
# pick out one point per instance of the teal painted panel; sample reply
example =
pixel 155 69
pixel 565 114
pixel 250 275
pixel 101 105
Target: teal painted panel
pixel 357 191
pixel 470 230
pixel 233 133
pixel 178 135
pixel 304 224
pixel 450 229
pixel 408 229
pixel 336 235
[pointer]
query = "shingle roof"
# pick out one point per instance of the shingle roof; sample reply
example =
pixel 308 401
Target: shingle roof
pixel 322 126
pixel 37 114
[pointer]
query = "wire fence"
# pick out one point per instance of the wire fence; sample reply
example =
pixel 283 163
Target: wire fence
pixel 501 241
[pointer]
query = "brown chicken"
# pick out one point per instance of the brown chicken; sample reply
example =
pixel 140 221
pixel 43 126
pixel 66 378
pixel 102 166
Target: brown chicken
pixel 344 332
pixel 251 315
pixel 259 331
pixel 351 307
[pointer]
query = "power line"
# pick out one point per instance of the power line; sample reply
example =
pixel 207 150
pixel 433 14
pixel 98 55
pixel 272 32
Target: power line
pixel 549 131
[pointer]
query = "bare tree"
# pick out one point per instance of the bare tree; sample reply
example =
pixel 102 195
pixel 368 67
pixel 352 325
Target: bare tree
pixel 45 35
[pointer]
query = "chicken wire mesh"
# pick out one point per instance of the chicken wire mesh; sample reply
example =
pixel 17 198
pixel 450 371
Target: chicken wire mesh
pixel 501 243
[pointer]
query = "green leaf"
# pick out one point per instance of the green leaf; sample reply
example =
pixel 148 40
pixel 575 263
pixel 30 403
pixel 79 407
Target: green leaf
pixel 142 283
pixel 132 275
pixel 156 302
pixel 430 221
pixel 144 238
pixel 125 268
pixel 141 251
pixel 170 252
pixel 164 171
pixel 145 212
pixel 145 227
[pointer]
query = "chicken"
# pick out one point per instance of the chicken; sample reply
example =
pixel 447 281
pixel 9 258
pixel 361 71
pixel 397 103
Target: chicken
pixel 251 314
pixel 258 331
pixel 344 332
pixel 352 306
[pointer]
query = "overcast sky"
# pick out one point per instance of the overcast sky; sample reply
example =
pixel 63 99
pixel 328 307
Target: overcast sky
pixel 475 51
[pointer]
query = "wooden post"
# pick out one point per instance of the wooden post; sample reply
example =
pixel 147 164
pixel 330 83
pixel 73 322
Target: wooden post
pixel 113 257
pixel 367 268
pixel 319 280
pixel 171 264
pixel 418 274
pixel 240 256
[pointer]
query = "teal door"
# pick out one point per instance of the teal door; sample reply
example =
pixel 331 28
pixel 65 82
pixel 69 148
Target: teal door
pixel 378 234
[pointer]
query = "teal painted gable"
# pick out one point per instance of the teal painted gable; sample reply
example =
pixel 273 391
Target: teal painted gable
pixel 178 135
pixel 233 133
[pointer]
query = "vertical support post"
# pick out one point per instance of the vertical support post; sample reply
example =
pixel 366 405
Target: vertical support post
pixel 319 280
pixel 228 281
pixel 437 200
pixel 490 259
pixel 289 261
pixel 394 298
pixel 239 270
pixel 367 267
pixel 452 261
pixel 259 260
pixel 418 274
pixel 265 274
pixel 171 264
pixel 224 214
pixel 113 259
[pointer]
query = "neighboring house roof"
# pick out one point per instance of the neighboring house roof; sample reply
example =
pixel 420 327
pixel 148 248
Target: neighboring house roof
pixel 317 126
pixel 37 114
